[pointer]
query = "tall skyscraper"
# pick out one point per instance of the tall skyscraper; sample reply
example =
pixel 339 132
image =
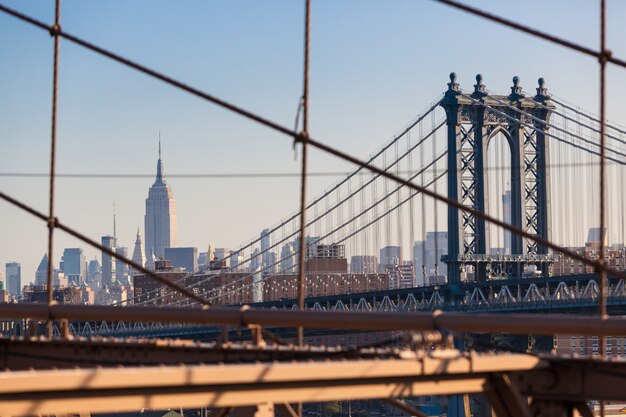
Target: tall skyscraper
pixel 161 224
pixel 287 259
pixel 186 258
pixel 13 278
pixel 41 275
pixel 138 255
pixel 74 266
pixel 265 246
pixel 506 217
pixel 236 257
pixel 436 246
pixel 94 271
pixel 390 256
pixel 122 272
pixel 419 263
pixel 108 263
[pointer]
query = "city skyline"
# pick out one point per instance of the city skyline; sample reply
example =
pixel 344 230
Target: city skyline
pixel 200 147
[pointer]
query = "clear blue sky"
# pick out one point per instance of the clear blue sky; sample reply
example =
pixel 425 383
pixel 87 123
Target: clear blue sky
pixel 375 65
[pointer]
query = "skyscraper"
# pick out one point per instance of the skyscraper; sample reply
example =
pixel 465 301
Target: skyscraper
pixel 108 263
pixel 390 256
pixel 14 278
pixel 41 275
pixel 265 246
pixel 74 265
pixel 138 255
pixel 122 272
pixel 161 224
pixel 506 217
pixel 183 258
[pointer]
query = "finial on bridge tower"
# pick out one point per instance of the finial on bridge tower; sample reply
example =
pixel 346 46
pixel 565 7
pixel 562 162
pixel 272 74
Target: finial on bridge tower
pixel 516 90
pixel 479 87
pixel 542 91
pixel 453 85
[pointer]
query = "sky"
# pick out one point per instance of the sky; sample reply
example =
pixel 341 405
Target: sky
pixel 374 66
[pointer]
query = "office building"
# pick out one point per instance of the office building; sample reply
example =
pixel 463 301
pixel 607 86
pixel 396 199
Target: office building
pixel 269 261
pixel 13 279
pixel 363 264
pixel 138 255
pixel 161 224
pixel 220 253
pixel 108 264
pixel 389 256
pixel 419 265
pixel 236 258
pixel 94 271
pixel 506 208
pixel 41 275
pixel 287 259
pixel 74 266
pixel 255 260
pixel 122 271
pixel 436 246
pixel 185 258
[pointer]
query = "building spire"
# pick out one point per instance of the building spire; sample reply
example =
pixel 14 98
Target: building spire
pixel 114 225
pixel 159 175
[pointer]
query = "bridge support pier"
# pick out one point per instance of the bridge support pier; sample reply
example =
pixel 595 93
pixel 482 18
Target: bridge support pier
pixel 472 121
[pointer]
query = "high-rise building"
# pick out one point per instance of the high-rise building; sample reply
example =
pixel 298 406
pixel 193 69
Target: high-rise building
pixel 363 264
pixel 436 246
pixel 186 258
pixel 161 224
pixel 390 256
pixel 419 263
pixel 268 257
pixel 236 257
pixel 13 279
pixel 287 259
pixel 220 253
pixel 41 275
pixel 94 271
pixel 122 271
pixel 255 260
pixel 74 266
pixel 506 217
pixel 108 264
pixel 138 255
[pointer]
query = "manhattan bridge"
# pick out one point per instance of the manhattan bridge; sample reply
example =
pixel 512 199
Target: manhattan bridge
pixel 223 339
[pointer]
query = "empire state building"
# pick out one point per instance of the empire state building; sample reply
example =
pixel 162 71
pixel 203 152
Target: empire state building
pixel 161 225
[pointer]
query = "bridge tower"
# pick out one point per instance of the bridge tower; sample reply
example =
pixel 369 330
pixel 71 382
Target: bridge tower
pixel 473 120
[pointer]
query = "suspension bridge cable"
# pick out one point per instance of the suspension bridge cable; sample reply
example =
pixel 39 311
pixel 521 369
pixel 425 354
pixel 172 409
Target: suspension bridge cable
pixel 534 32
pixel 590 116
pixel 538 120
pixel 435 214
pixel 383 215
pixel 528 125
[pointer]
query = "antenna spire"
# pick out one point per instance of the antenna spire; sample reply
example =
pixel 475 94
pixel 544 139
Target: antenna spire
pixel 159 145
pixel 114 226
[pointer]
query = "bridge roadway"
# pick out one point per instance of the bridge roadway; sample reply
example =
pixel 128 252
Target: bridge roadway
pixel 555 294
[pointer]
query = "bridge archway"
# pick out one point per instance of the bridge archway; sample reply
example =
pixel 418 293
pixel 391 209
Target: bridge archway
pixel 472 121
pixel 498 179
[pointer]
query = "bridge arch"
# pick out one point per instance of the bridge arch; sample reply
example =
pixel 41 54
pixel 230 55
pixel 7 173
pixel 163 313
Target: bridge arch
pixel 473 120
